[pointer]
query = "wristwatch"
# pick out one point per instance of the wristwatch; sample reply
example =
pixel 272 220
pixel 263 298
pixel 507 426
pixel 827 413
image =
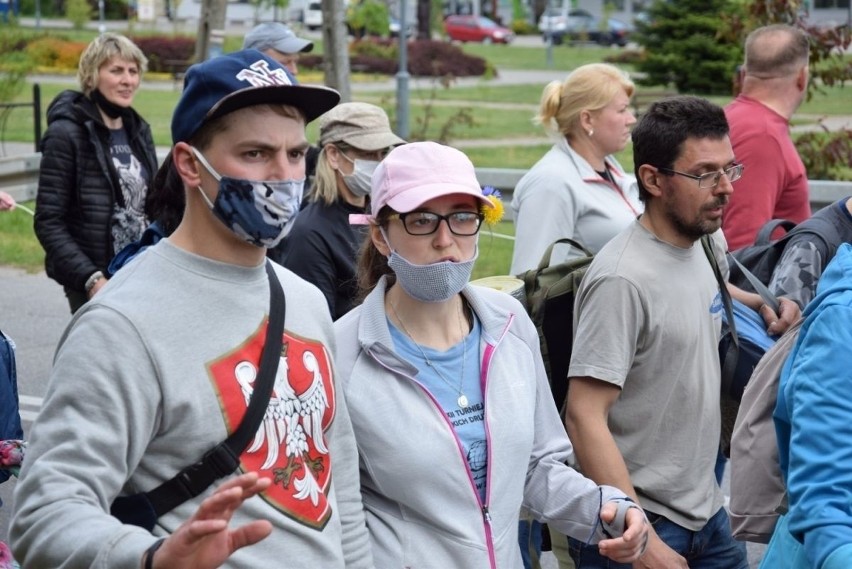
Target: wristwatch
pixel 92 280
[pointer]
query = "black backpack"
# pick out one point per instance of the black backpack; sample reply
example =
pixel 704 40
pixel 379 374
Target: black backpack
pixel 550 292
pixel 762 257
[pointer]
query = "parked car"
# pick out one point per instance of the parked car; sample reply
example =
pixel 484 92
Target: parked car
pixel 313 16
pixel 580 25
pixel 476 28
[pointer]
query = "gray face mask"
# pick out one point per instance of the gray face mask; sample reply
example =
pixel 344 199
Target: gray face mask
pixel 360 180
pixel 436 282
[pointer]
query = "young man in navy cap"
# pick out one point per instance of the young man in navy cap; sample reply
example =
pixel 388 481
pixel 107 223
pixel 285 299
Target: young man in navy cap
pixel 161 367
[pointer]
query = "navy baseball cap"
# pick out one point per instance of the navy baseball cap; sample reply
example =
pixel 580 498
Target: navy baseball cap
pixel 226 83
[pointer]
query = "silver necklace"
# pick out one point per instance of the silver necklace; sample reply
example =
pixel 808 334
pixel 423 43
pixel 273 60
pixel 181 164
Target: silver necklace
pixel 462 400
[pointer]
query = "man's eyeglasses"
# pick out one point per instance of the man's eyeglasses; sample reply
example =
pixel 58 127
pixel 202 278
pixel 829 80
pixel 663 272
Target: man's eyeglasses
pixel 711 179
pixel 462 223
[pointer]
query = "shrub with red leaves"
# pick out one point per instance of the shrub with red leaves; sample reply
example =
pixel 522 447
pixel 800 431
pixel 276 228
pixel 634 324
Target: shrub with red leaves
pixel 163 52
pixel 426 58
pixel 431 58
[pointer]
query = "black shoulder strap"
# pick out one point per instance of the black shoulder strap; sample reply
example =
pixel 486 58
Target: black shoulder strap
pixel 224 458
pixel 729 366
pixel 824 230
pixel 764 236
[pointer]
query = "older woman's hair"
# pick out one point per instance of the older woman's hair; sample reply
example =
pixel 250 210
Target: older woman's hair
pixel 588 88
pixel 102 49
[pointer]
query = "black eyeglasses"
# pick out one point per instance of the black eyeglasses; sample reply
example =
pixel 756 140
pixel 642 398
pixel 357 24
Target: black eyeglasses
pixel 463 223
pixel 711 179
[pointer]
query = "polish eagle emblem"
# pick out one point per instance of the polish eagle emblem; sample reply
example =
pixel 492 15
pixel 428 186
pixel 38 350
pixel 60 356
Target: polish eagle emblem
pixel 290 445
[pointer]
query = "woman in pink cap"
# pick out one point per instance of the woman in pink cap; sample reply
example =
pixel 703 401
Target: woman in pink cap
pixel 449 401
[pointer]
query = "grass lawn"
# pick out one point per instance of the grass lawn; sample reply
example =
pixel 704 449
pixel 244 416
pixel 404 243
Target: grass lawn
pixel 156 107
pixel 20 248
pixel 833 101
pixel 524 157
pixel 565 57
pixel 518 94
pixel 495 253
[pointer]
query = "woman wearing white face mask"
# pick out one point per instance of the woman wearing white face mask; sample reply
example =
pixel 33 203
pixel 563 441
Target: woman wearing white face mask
pixel 450 405
pixel 322 246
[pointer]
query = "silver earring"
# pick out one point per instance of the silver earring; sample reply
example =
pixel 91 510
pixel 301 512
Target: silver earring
pixel 591 132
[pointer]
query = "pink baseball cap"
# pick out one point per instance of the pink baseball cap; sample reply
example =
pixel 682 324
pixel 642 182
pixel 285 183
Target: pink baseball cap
pixel 414 173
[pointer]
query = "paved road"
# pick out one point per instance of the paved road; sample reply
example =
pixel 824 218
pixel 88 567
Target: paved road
pixel 33 312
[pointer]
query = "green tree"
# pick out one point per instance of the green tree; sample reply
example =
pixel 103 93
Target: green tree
pixel 368 17
pixel 13 75
pixel 78 12
pixel 688 45
pixel 279 7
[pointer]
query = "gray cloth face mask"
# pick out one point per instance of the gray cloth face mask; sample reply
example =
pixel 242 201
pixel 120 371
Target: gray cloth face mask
pixel 435 282
pixel 360 181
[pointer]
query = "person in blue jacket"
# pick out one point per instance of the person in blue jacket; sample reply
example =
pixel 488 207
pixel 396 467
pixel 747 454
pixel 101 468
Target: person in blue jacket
pixel 11 432
pixel 813 422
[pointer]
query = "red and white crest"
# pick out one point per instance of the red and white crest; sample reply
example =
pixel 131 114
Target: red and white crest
pixel 290 445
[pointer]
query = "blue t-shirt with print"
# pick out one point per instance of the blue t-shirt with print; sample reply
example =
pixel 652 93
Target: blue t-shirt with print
pixel 455 376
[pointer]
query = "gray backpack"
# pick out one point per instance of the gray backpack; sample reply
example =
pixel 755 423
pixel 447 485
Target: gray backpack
pixel 758 494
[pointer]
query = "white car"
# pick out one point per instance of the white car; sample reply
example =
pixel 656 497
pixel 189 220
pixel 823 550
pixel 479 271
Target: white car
pixel 313 16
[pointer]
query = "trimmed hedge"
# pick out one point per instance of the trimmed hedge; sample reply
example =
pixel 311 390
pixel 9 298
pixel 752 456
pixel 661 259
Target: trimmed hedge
pixel 60 53
pixel 55 53
pixel 162 51
pixel 426 58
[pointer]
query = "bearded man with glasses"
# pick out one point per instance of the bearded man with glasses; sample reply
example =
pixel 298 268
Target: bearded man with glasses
pixel 643 409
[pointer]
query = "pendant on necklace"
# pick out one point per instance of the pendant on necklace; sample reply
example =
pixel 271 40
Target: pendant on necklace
pixel 462 401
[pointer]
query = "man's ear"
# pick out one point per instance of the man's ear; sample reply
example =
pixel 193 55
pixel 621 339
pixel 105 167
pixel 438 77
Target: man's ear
pixel 186 164
pixel 379 240
pixel 802 78
pixel 650 178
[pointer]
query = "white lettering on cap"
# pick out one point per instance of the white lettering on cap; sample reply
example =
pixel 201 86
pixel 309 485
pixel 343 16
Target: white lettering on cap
pixel 260 75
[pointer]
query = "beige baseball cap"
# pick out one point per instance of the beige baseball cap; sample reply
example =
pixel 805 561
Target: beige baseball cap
pixel 360 125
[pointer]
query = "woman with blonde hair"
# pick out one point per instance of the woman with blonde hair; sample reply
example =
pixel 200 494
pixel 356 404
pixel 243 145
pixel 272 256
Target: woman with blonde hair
pixel 322 247
pixel 578 189
pixel 98 159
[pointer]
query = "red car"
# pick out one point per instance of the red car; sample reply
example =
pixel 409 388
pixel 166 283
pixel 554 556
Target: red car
pixel 476 28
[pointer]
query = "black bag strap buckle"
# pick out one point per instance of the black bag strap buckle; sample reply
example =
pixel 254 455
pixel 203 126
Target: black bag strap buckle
pixel 216 463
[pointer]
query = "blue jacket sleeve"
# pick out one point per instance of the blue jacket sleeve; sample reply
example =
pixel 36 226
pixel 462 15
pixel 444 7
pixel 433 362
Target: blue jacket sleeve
pixel 10 418
pixel 815 397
